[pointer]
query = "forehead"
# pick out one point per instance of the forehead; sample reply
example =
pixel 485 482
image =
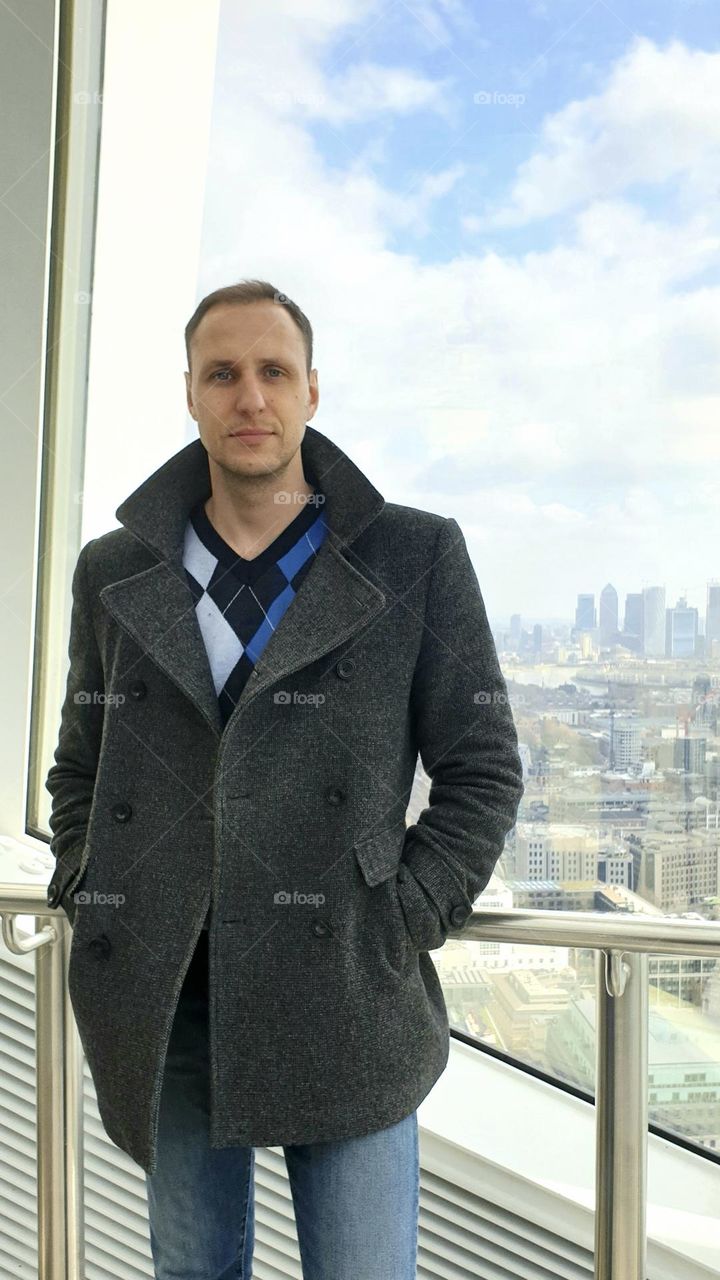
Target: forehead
pixel 247 330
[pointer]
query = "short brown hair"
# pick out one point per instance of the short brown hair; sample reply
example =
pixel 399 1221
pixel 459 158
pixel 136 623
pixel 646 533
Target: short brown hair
pixel 244 292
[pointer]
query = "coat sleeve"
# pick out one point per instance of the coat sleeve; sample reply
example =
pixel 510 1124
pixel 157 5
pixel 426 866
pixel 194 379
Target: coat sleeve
pixel 468 745
pixel 71 780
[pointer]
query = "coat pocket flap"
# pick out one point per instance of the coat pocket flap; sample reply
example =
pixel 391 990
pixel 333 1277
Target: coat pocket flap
pixel 379 855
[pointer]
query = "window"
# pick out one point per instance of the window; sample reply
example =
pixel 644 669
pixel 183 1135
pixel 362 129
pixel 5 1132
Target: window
pixel 507 255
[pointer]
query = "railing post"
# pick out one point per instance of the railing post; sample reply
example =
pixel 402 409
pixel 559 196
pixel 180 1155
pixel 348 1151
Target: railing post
pixel 58 1072
pixel 621 1115
pixel 50 1104
pixel 74 1132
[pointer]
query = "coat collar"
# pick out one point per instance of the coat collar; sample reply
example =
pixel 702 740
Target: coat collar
pixel 157 511
pixel 156 606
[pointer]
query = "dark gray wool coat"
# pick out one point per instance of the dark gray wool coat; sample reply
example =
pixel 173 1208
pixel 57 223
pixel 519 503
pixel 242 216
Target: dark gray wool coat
pixel 326 1015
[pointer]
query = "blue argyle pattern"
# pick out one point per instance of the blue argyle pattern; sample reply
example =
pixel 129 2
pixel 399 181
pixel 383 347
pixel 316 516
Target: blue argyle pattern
pixel 239 602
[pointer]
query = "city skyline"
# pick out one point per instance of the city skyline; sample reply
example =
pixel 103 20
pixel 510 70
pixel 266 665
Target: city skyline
pixel 568 619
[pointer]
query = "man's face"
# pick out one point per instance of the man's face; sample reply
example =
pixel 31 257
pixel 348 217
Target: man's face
pixel 249 373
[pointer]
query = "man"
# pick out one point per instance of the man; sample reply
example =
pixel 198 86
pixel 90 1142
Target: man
pixel 256 658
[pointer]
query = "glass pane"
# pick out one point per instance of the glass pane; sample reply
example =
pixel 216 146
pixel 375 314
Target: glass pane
pixel 504 230
pixel 541 1009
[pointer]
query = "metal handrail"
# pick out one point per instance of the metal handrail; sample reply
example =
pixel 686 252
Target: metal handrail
pixel 594 930
pixel 622 944
pixel 58 1081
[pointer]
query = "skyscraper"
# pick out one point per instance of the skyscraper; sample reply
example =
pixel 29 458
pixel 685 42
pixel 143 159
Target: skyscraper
pixel 681 631
pixel 585 613
pixel 608 614
pixel 712 616
pixel 654 621
pixel 633 626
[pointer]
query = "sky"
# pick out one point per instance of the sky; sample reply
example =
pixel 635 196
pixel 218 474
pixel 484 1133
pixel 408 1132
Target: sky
pixel 503 222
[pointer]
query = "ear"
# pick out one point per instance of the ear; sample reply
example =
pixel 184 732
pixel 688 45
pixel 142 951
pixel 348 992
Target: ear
pixel 313 394
pixel 188 394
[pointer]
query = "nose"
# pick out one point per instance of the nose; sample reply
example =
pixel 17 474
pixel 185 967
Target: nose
pixel 249 393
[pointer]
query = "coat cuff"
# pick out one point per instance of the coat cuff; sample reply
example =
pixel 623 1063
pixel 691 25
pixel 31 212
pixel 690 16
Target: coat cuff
pixel 63 876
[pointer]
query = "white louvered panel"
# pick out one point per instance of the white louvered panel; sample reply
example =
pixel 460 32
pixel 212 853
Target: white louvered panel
pixel 277 1256
pixel 117 1236
pixel 463 1236
pixel 18 1252
pixel 114 1248
pixel 21 1176
pixel 18 1175
pixel 17 1140
pixel 17 1018
pixel 17 1260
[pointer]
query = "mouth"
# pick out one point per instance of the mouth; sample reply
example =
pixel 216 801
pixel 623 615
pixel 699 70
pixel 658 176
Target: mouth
pixel 249 435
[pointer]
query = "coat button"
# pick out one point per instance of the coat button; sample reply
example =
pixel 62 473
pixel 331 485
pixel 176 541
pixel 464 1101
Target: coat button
pixel 53 895
pixel 336 796
pixel 458 916
pixel 321 929
pixel 345 668
pixel 100 946
pixel 138 689
pixel 122 812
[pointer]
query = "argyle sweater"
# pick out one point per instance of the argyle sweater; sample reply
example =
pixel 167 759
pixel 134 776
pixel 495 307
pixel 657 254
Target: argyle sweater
pixel 239 602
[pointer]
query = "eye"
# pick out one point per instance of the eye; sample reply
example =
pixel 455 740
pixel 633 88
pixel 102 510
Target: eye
pixel 272 367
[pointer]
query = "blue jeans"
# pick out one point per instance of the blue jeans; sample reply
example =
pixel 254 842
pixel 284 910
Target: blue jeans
pixel 355 1200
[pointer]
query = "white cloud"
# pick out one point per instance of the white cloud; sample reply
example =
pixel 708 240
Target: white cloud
pixel 658 118
pixel 368 89
pixel 549 400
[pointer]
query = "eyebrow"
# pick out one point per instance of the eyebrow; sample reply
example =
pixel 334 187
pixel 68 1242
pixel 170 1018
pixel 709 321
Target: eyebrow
pixel 219 363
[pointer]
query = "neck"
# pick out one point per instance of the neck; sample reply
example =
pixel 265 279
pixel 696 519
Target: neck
pixel 249 512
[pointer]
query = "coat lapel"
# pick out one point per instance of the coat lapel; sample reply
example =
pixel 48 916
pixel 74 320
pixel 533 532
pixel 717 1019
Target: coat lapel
pixel 156 606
